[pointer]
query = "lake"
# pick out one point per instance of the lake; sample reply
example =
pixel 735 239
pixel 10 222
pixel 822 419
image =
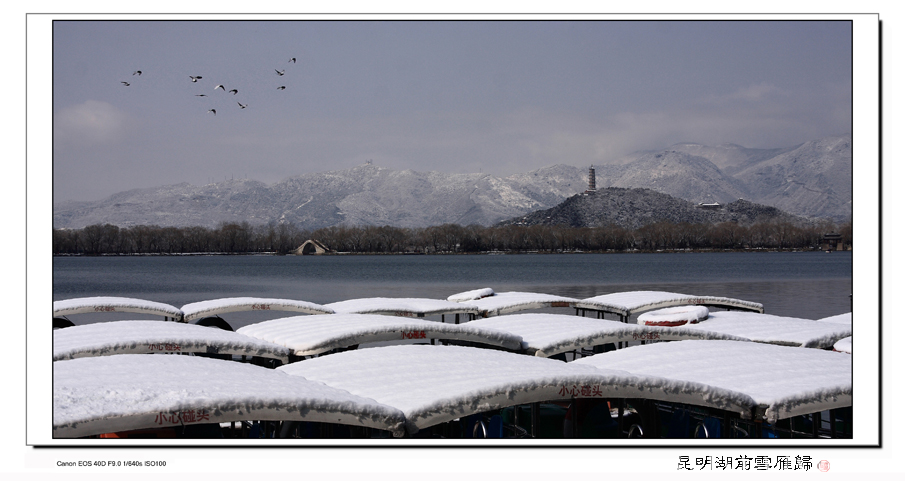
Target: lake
pixel 809 285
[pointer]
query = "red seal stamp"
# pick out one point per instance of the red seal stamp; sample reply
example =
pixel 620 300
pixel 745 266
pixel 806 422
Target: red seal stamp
pixel 823 466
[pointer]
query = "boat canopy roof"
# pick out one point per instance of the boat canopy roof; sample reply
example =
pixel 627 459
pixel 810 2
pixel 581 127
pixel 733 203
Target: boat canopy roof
pixel 545 335
pixel 119 393
pixel 405 307
pixel 506 302
pixel 778 381
pixel 142 337
pixel 435 384
pixel 633 302
pixel 766 328
pixel 213 307
pixel 309 335
pixel 839 319
pixel 84 305
pixel 471 295
pixel 674 316
pixel 844 345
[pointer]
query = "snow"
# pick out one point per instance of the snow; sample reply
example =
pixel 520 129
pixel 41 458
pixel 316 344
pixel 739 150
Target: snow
pixel 141 337
pixel 309 335
pixel 132 391
pixel 545 335
pixel 766 328
pixel 84 305
pixel 781 381
pixel 198 310
pixel 506 302
pixel 632 302
pixel 843 345
pixel 435 384
pixel 406 307
pixel 674 316
pixel 471 295
pixel 839 319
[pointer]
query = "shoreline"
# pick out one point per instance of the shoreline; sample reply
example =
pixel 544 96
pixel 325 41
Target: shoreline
pixel 484 253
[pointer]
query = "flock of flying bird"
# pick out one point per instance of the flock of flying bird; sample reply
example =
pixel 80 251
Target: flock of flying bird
pixel 195 78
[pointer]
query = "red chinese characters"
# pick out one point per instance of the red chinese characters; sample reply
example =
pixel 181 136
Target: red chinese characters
pixel 260 307
pixel 165 347
pixel 104 309
pixel 414 335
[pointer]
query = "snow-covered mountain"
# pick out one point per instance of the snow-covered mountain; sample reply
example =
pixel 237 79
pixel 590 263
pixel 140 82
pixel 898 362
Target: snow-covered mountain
pixel 364 195
pixel 678 174
pixel 812 180
pixel 815 178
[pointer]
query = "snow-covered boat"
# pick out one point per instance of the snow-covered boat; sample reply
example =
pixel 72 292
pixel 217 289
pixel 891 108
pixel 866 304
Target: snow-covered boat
pixel 403 307
pixel 546 335
pixel 430 391
pixel 145 337
pixel 766 328
pixel 625 304
pixel 120 394
pixel 83 305
pixel 843 345
pixel 208 312
pixel 791 392
pixel 701 384
pixel 495 304
pixel 313 335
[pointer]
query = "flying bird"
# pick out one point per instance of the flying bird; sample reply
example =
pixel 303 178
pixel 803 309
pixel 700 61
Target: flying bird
pixel 234 91
pixel 220 87
pixel 282 87
pixel 292 60
pixel 280 72
pixel 242 106
pixel 137 72
pixel 125 83
pixel 194 79
pixel 200 95
pixel 214 111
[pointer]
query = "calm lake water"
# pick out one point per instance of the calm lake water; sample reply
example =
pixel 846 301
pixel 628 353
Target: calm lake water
pixel 809 285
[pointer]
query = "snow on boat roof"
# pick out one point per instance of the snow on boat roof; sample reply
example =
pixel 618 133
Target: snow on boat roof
pixel 471 295
pixel 674 316
pixel 545 335
pixel 632 302
pixel 213 307
pixel 84 305
pixel 435 384
pixel 839 319
pixel 844 345
pixel 780 381
pixel 766 328
pixel 309 335
pixel 97 395
pixel 405 307
pixel 506 302
pixel 142 337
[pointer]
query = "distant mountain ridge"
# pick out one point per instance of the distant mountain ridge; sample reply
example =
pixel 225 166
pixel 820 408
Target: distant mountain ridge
pixel 364 195
pixel 811 180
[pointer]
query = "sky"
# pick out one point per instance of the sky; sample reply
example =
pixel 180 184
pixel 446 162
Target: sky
pixel 497 97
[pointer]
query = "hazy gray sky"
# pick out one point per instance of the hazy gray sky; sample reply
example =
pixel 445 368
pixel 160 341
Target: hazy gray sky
pixel 454 96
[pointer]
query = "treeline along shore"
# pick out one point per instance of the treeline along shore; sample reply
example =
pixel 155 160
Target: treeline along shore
pixel 244 238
